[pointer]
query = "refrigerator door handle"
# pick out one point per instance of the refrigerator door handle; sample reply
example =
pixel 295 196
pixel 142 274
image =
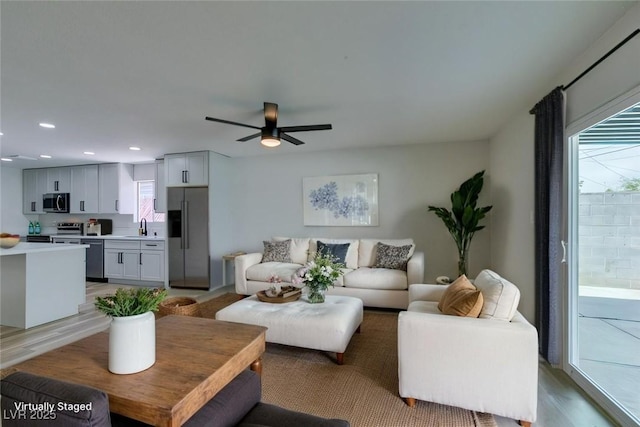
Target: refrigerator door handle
pixel 182 225
pixel 186 225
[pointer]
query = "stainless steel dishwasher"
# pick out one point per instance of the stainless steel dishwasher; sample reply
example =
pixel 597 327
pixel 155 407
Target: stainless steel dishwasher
pixel 95 258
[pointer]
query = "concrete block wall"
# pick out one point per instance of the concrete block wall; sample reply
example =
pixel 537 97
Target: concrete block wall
pixel 609 239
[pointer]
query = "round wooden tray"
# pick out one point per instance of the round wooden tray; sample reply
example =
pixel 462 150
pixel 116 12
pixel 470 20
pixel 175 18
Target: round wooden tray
pixel 262 296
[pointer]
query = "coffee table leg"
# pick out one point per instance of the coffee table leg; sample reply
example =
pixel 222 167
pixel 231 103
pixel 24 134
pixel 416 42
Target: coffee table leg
pixel 256 366
pixel 340 358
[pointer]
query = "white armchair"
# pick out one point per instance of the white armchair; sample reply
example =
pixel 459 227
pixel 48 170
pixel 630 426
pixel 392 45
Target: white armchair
pixel 480 364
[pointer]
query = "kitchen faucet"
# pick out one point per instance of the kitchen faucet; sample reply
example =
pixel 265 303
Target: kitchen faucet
pixel 144 231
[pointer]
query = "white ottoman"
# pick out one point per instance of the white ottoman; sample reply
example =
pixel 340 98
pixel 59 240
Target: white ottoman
pixel 327 326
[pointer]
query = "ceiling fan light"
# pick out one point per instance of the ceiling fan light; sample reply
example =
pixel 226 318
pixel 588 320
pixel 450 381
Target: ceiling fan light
pixel 270 141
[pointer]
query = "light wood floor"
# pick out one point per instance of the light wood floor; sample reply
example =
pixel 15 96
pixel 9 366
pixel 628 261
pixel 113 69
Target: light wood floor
pixel 560 402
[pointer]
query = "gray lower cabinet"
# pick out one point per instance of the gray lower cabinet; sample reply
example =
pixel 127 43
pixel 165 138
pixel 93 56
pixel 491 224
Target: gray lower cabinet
pixel 134 260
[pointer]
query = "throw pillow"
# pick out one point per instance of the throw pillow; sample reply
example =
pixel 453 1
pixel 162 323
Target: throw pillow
pixel 393 257
pixel 465 303
pixel 276 251
pixel 338 250
pixel 460 283
pixel 500 295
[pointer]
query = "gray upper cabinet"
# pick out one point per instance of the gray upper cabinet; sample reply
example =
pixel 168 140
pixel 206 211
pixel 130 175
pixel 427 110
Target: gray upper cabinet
pixel 58 180
pixel 84 189
pixel 116 189
pixel 34 185
pixel 187 169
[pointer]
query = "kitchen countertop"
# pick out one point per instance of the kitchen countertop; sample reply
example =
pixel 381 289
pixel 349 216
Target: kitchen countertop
pixel 23 248
pixel 107 237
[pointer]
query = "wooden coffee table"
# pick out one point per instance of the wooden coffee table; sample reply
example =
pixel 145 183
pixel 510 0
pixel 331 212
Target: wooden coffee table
pixel 195 359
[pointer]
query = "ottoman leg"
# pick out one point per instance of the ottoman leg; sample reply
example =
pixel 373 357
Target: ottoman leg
pixel 340 358
pixel 256 366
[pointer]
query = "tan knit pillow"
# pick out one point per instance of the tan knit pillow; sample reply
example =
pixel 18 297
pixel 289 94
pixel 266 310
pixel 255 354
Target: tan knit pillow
pixel 461 299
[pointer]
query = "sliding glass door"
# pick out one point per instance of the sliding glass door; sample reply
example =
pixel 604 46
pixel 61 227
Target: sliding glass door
pixel 603 292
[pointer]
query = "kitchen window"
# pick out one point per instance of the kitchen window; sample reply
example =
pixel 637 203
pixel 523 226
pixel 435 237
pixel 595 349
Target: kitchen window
pixel 146 196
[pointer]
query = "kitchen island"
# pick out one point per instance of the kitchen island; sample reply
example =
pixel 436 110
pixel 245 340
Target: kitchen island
pixel 40 283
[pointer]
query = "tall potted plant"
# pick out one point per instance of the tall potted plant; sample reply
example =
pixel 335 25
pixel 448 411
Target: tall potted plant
pixel 464 218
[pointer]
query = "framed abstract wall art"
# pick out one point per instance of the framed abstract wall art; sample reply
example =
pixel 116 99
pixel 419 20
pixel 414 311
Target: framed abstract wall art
pixel 341 200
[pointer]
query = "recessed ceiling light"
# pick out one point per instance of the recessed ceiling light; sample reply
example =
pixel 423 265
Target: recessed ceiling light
pixel 89 153
pixel 1 133
pixel 47 125
pixel 4 159
pixel 134 148
pixel 45 156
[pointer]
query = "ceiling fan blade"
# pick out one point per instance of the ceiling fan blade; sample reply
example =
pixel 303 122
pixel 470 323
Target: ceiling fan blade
pixel 271 114
pixel 231 123
pixel 291 139
pixel 304 128
pixel 246 138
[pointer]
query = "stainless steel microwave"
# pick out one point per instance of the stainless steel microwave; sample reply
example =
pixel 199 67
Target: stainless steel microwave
pixel 55 202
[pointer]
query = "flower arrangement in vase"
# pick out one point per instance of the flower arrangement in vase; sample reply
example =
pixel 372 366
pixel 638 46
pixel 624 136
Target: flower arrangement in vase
pixel 318 275
pixel 132 334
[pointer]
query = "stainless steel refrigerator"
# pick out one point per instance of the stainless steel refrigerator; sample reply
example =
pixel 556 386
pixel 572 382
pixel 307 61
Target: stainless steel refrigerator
pixel 188 236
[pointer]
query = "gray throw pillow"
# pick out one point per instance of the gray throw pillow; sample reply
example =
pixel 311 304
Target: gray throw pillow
pixel 337 250
pixel 277 251
pixel 393 257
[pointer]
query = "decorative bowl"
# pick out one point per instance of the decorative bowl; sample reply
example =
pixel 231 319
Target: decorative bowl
pixel 8 240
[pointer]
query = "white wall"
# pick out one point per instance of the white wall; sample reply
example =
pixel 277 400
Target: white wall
pixel 267 197
pixel 11 218
pixel 512 161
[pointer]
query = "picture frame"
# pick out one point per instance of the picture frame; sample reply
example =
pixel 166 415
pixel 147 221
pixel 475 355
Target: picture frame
pixel 341 200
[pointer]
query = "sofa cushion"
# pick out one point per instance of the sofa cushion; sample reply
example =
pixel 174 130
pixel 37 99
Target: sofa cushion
pixel 352 253
pixel 461 299
pixel 367 249
pixel 430 307
pixel 266 415
pixel 277 251
pixel 299 250
pixel 501 297
pixel 23 387
pixel 231 404
pixel 376 278
pixel 261 272
pixel 337 250
pixel 394 257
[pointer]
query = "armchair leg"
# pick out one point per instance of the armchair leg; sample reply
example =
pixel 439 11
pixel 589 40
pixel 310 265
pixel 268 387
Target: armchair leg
pixel 525 423
pixel 411 402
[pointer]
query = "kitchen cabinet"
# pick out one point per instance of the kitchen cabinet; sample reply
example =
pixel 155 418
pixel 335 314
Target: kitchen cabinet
pixel 116 190
pixel 187 169
pixel 160 200
pixel 34 185
pixel 152 261
pixel 134 260
pixel 84 189
pixel 58 180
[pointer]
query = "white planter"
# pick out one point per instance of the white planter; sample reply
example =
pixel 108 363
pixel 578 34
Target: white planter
pixel 132 343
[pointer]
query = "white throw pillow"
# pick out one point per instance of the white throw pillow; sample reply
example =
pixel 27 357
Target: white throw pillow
pixel 501 297
pixel 299 248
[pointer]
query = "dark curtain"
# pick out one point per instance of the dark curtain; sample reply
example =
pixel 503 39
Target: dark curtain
pixel 549 146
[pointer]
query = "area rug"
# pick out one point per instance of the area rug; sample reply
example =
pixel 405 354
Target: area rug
pixel 363 391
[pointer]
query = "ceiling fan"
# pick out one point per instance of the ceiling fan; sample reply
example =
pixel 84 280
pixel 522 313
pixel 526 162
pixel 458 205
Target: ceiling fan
pixel 270 134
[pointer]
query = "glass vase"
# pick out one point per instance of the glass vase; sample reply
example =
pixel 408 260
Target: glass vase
pixel 315 296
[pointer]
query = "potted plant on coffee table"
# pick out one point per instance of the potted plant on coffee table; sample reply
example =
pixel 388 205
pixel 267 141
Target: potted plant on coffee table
pixel 132 334
pixel 464 218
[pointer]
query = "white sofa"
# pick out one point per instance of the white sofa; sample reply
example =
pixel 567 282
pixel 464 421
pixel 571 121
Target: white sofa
pixel 487 364
pixel 376 287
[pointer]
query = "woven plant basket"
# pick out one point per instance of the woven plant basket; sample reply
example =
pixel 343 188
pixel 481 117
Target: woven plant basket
pixel 183 306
